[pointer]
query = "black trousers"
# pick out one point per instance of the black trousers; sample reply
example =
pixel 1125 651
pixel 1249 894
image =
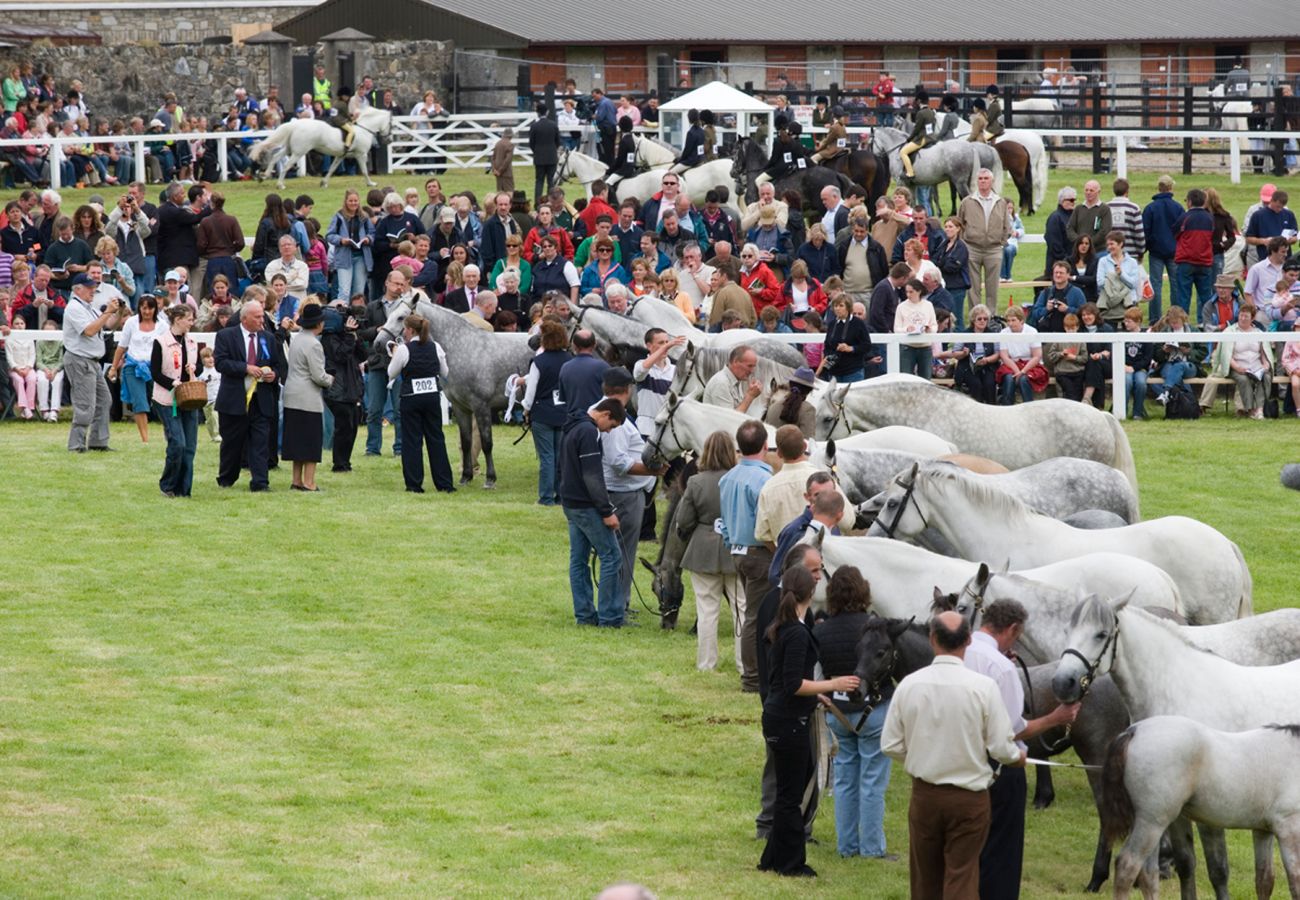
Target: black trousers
pixel 1004 848
pixel 786 850
pixel 1094 376
pixel 542 174
pixel 1070 385
pixel 981 382
pixel 421 424
pixel 346 418
pixel 606 148
pixel 245 437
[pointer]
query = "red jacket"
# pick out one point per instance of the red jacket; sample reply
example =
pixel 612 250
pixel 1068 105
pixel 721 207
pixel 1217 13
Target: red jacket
pixel 817 298
pixel 596 207
pixel 27 296
pixel 763 288
pixel 1194 237
pixel 532 243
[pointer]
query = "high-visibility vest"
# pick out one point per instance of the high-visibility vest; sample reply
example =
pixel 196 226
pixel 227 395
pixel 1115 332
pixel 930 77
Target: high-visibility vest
pixel 321 90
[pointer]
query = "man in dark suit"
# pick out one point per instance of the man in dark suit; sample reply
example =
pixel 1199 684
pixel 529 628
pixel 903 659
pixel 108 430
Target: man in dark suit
pixel 178 242
pixel 544 142
pixel 245 351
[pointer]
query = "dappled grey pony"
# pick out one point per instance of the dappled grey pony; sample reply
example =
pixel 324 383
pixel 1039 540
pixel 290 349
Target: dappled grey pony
pixel 953 161
pixel 478 363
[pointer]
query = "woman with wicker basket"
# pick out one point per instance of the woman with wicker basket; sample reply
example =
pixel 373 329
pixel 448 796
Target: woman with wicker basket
pixel 178 396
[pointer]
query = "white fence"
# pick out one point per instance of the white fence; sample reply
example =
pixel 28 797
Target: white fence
pixel 892 342
pixel 419 144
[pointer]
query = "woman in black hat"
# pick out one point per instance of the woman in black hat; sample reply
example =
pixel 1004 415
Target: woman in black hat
pixel 624 162
pixel 302 398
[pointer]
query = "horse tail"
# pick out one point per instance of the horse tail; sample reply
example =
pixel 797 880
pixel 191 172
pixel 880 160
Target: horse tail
pixel 277 138
pixel 1123 455
pixel 1039 166
pixel 1116 810
pixel 1031 188
pixel 974 169
pixel 1245 605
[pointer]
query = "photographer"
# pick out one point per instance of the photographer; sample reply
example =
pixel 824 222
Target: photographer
pixel 1056 302
pixel 128 226
pixel 116 272
pixel 83 342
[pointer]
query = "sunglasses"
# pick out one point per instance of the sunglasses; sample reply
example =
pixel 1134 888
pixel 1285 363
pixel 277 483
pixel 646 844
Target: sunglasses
pixel 669 183
pixel 603 250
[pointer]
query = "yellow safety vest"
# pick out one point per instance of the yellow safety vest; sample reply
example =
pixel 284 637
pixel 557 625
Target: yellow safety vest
pixel 322 90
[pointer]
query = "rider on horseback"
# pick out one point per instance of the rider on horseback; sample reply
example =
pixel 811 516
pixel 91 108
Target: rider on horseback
pixel 693 149
pixel 995 127
pixel 624 162
pixel 979 121
pixel 923 128
pixel 788 155
pixel 710 136
pixel 341 116
pixel 836 141
pixel 948 130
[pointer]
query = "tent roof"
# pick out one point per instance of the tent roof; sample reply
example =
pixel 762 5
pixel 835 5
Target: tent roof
pixel 717 95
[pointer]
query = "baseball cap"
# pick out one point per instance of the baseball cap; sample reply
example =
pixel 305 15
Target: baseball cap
pixel 1266 192
pixel 172 275
pixel 82 278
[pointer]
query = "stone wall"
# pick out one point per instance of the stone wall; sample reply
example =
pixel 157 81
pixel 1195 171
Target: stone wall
pixel 130 79
pixel 160 25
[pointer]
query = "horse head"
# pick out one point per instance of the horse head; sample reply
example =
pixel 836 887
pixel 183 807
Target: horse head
pixel 900 513
pixel 878 654
pixel 666 584
pixel 1090 647
pixel 653 452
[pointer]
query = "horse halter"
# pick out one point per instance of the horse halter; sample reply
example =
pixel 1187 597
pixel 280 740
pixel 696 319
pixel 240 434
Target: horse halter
pixel 666 425
pixel 1085 682
pixel 909 496
pixel 873 693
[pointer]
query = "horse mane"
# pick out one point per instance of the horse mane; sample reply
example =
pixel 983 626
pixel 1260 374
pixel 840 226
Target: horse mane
pixel 1172 628
pixel 981 491
pixel 1293 730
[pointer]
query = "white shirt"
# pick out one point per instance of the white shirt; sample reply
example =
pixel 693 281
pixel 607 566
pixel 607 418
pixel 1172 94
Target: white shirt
pixel 401 356
pixel 1021 350
pixel 983 656
pixel 690 287
pixel 649 401
pixel 943 724
pixel 828 220
pixel 620 449
pixel 138 342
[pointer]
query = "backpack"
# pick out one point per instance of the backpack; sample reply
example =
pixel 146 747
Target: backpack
pixel 1180 403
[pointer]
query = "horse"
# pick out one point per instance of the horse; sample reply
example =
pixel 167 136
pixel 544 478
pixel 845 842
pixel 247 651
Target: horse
pixel 655 312
pixel 698 363
pixel 748 159
pixel 1060 488
pixel 1039 113
pixel 764 345
pixel 1159 672
pixel 899 573
pixel 298 137
pixel 478 364
pixel 954 161
pixel 652 153
pixel 983 522
pixel 1234 116
pixel 1167 767
pixel 666 570
pixel 1016 436
pixel 1023 158
pixel 620 338
pixel 865 169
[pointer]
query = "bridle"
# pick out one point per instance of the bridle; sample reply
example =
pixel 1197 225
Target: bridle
pixel 660 427
pixel 841 417
pixel 909 496
pixel 1111 644
pixel 562 172
pixel 873 693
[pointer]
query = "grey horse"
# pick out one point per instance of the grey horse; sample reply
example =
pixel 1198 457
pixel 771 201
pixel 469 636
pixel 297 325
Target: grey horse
pixel 698 364
pixel 1062 487
pixel 955 161
pixel 478 363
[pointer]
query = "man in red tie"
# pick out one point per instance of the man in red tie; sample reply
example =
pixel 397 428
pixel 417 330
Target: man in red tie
pixel 251 364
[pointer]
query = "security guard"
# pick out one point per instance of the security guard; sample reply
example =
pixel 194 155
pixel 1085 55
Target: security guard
pixel 321 89
pixel 836 141
pixel 923 129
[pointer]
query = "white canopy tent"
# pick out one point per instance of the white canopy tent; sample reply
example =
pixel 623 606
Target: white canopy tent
pixel 736 112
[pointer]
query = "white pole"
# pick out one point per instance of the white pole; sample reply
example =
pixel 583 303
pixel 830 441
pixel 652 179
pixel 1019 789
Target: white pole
pixel 892 361
pixel 1121 156
pixel 1234 160
pixel 223 160
pixel 1119 388
pixel 56 165
pixel 141 173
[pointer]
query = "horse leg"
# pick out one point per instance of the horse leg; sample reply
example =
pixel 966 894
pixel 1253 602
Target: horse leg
pixel 1184 856
pixel 1215 846
pixel 363 160
pixel 484 417
pixel 1136 862
pixel 1288 841
pixel 1044 793
pixel 334 164
pixel 465 424
pixel 1263 864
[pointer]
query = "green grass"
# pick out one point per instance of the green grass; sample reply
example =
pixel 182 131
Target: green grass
pixel 367 692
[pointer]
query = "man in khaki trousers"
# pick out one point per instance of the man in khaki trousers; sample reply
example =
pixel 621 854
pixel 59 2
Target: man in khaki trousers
pixel 986 225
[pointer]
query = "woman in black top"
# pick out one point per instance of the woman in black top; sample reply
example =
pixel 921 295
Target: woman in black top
pixel 844 353
pixel 1083 268
pixel 423 367
pixel 787 714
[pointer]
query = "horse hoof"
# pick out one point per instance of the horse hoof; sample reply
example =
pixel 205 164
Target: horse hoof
pixel 1044 803
pixel 1094 887
pixel 489 485
pixel 466 479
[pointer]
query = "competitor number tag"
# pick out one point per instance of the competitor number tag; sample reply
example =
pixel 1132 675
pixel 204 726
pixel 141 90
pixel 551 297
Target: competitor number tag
pixel 803 163
pixel 555 398
pixel 929 129
pixel 717 526
pixel 840 696
pixel 424 385
pixel 841 142
pixel 787 157
pixel 631 157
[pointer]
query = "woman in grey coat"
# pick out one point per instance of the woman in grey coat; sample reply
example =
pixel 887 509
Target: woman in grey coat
pixel 350 237
pixel 707 558
pixel 302 398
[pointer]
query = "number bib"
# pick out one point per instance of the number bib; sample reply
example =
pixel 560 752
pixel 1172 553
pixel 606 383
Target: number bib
pixel 424 385
pixel 802 163
pixel 631 158
pixel 841 143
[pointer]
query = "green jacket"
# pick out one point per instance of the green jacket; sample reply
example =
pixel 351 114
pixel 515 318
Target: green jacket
pixel 924 128
pixel 49 355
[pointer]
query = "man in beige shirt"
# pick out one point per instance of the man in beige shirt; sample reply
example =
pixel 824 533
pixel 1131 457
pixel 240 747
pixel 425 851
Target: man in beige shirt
pixel 986 225
pixel 727 295
pixel 783 498
pixel 485 307
pixel 944 723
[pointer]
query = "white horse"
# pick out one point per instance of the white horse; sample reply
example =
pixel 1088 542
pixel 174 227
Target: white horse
pixel 298 137
pixel 903 577
pixel 1233 116
pixel 1165 767
pixel 982 522
pixel 652 153
pixel 696 182
pixel 1033 145
pixel 954 161
pixel 1159 672
pixel 1016 436
pixel 1268 639
pixel 1037 113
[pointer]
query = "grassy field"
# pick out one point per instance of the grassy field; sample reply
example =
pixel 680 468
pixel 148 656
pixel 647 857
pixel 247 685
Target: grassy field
pixel 370 692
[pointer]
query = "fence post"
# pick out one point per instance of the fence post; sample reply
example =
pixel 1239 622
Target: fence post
pixel 1146 104
pixel 137 150
pixel 1119 391
pixel 548 99
pixel 833 94
pixel 1189 104
pixel 1234 160
pixel 1121 156
pixel 1279 124
pixel 223 160
pixel 892 361
pixel 1006 107
pixel 56 165
pixel 1096 124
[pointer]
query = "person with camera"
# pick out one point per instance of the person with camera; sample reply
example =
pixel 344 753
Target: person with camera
pixel 129 228
pixel 83 343
pixel 175 359
pixel 1054 303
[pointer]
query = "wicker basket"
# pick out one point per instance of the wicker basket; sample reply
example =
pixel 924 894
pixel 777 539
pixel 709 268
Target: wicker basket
pixel 191 395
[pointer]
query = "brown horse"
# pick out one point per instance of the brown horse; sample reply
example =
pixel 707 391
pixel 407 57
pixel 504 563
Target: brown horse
pixel 865 169
pixel 1017 164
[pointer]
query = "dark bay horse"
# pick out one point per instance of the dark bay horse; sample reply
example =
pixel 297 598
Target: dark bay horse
pixel 1017 164
pixel 749 159
pixel 865 169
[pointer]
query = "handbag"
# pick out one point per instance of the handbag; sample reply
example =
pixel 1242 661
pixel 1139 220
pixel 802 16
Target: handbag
pixel 191 395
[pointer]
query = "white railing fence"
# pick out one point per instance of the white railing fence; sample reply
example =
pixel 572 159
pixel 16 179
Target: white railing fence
pixel 892 342
pixel 419 144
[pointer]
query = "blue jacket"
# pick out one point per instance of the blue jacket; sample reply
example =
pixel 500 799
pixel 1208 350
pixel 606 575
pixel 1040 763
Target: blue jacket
pixel 935 238
pixel 580 383
pixel 823 263
pixel 1158 220
pixel 1073 298
pixel 954 264
pixel 338 232
pixel 1056 237
pixel 739 490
